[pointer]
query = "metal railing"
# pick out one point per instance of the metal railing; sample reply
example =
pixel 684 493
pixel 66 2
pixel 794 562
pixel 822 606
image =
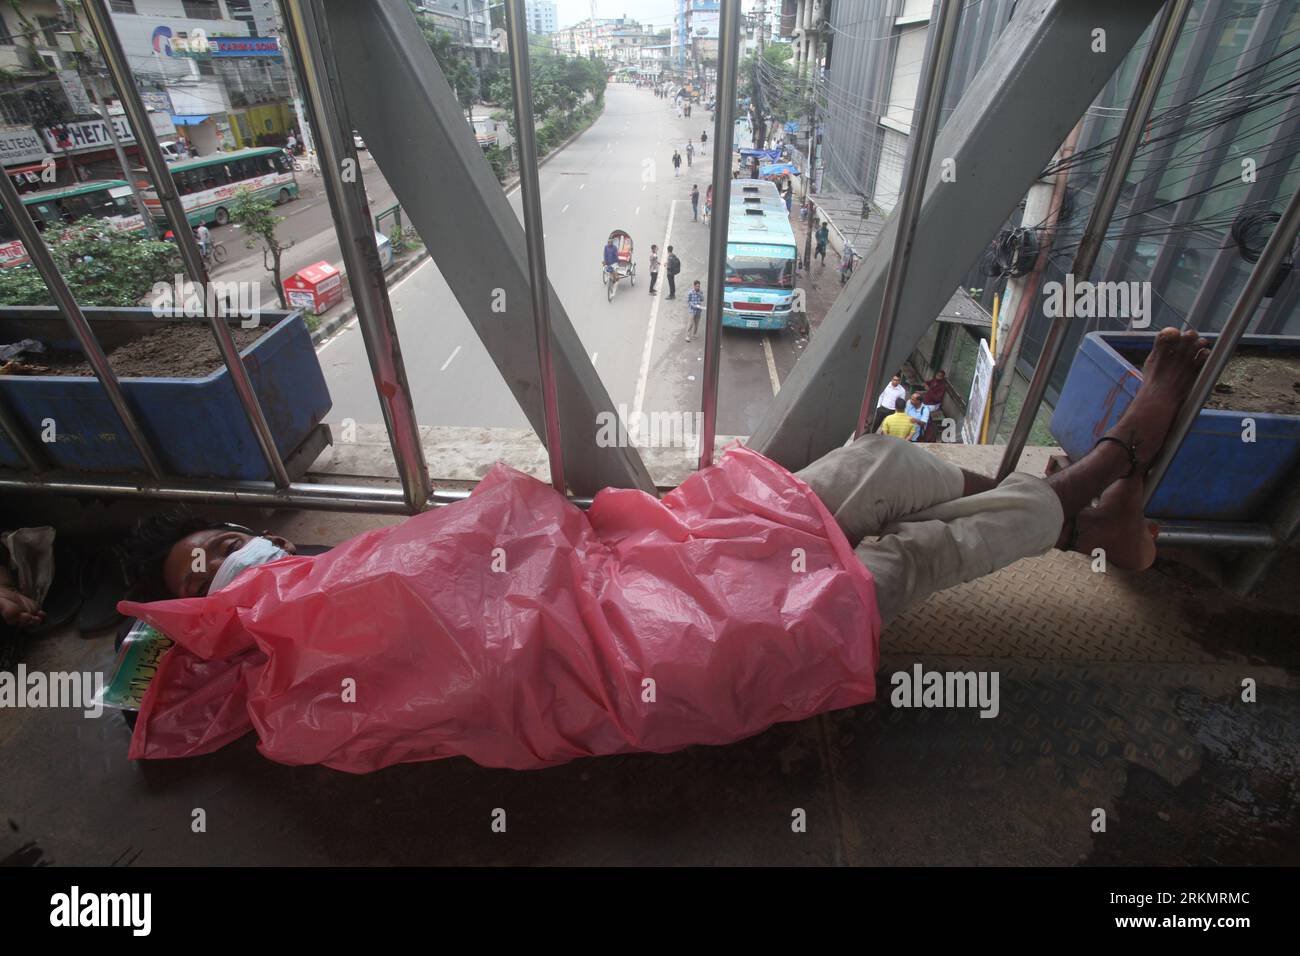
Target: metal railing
pixel 307 32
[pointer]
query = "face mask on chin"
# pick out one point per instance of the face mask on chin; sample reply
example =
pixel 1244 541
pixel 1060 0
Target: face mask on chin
pixel 257 551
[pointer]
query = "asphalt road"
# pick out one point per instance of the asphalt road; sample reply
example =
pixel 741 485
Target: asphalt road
pixel 616 175
pixel 307 224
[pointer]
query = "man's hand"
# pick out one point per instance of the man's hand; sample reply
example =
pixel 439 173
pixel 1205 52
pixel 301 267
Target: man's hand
pixel 18 610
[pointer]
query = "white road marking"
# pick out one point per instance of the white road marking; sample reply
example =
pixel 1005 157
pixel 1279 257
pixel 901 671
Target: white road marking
pixel 594 356
pixel 638 211
pixel 644 374
pixel 581 186
pixel 771 365
pixel 353 321
pixel 449 358
pixel 562 211
pixel 643 187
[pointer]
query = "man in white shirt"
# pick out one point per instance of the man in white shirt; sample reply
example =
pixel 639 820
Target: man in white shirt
pixel 885 403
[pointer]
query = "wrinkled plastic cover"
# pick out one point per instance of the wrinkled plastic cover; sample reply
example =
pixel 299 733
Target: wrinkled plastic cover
pixel 515 629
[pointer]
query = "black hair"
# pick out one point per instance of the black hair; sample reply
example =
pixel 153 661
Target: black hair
pixel 146 548
pixel 900 404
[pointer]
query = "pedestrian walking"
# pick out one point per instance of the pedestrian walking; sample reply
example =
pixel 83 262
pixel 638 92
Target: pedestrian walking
pixel 671 268
pixel 654 268
pixel 677 163
pixel 822 236
pixel 695 304
pixel 690 153
pixel 695 202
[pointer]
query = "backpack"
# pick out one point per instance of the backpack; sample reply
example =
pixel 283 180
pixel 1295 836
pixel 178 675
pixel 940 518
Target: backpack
pixel 674 264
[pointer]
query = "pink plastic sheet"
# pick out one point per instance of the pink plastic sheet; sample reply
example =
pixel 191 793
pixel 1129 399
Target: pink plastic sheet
pixel 518 631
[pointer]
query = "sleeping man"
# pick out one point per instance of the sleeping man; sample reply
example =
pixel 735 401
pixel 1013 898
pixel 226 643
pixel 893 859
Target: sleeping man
pixel 519 631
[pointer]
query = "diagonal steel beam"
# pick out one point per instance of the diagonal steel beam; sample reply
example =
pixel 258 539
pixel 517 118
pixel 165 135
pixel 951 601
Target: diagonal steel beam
pixel 413 126
pixel 1039 78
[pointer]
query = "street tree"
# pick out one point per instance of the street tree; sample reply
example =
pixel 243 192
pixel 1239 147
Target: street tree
pixel 256 215
pixel 773 88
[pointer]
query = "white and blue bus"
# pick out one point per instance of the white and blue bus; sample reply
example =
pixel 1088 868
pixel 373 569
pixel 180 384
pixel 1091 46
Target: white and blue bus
pixel 761 257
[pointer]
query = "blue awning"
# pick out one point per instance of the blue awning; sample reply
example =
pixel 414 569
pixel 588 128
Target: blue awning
pixel 189 119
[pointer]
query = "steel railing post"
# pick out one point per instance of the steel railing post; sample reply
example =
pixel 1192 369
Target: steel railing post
pixel 110 46
pixel 724 112
pixel 530 193
pixel 1147 86
pixel 40 256
pixel 925 119
pixel 307 32
pixel 1277 248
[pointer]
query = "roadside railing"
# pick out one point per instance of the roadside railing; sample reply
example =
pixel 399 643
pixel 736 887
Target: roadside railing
pixel 307 34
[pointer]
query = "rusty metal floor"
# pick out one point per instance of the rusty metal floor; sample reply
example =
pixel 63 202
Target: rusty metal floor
pixel 1118 692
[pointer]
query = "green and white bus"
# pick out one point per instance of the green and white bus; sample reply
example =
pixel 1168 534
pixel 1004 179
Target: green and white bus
pixel 207 184
pixel 108 200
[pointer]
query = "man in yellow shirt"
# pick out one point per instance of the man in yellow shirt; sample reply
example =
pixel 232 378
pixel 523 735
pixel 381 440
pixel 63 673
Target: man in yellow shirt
pixel 900 424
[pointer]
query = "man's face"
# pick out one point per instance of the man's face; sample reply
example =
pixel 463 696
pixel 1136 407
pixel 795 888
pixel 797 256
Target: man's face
pixel 194 560
pixel 895 381
pixel 916 399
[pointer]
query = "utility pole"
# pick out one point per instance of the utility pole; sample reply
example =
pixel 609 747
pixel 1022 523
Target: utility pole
pixel 809 175
pixel 304 128
pixel 79 58
pixel 1042 208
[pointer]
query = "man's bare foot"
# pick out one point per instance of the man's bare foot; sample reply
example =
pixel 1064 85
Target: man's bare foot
pixel 1167 376
pixel 1116 525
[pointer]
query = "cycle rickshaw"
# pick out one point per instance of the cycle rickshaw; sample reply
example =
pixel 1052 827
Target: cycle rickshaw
pixel 624 268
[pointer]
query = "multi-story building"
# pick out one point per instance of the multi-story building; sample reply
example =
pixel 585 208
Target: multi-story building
pixel 616 40
pixel 53 78
pixel 468 22
pixel 702 32
pixel 652 61
pixel 541 17
pixel 680 39
pixel 625 45
pixel 214 64
pixel 211 73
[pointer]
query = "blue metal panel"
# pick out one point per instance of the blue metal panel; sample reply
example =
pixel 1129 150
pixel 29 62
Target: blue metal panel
pixel 197 425
pixel 1216 475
